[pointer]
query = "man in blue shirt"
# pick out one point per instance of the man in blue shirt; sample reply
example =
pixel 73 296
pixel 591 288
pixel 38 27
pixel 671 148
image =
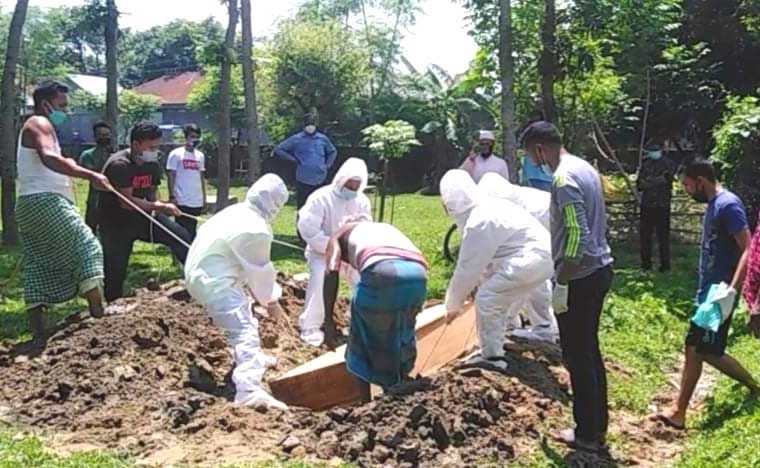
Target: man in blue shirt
pixel 723 259
pixel 314 155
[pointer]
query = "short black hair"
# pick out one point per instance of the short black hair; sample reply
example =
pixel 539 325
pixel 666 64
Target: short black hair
pixel 47 91
pixel 312 118
pixel 101 124
pixel 540 132
pixel 145 130
pixel 191 127
pixel 701 167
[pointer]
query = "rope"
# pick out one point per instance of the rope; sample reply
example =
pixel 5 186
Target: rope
pixel 274 241
pixel 129 202
pixel 435 347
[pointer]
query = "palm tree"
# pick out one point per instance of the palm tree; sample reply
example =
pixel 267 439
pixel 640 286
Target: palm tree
pixel 8 101
pixel 228 56
pixel 249 79
pixel 451 113
pixel 507 71
pixel 112 70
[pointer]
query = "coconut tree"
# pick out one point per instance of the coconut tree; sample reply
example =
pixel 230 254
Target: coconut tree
pixel 249 80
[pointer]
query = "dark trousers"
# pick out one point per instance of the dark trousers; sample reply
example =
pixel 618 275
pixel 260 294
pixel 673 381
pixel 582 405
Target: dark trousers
pixel 579 339
pixel 117 248
pixel 91 215
pixel 655 220
pixel 302 194
pixel 190 225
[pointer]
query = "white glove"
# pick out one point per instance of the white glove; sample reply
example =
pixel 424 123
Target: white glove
pixel 725 297
pixel 559 298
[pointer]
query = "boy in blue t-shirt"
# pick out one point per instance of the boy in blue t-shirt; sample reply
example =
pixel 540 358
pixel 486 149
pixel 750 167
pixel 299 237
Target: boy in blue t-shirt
pixel 725 245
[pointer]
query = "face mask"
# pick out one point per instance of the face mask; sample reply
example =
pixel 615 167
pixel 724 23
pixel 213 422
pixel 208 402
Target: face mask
pixel 57 118
pixel 347 194
pixel 310 129
pixel 547 170
pixel 655 155
pixel 195 143
pixel 103 141
pixel 700 197
pixel 149 156
pixel 485 150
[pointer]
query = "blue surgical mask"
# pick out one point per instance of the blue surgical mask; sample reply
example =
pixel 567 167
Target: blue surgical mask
pixel 57 118
pixel 547 170
pixel 347 194
pixel 655 155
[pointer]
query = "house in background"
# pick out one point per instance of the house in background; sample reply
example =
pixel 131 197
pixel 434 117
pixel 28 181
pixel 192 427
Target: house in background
pixel 172 92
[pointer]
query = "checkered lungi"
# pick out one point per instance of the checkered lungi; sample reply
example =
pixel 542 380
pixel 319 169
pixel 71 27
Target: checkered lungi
pixel 60 251
pixel 382 346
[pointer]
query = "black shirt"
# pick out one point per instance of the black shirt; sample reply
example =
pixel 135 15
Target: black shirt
pixel 122 172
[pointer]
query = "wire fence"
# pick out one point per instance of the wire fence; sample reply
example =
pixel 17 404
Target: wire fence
pixel 623 220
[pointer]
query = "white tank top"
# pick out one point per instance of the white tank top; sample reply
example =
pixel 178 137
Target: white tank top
pixel 35 177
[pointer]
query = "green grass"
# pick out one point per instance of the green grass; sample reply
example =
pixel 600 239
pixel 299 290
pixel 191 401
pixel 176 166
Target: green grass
pixel 643 325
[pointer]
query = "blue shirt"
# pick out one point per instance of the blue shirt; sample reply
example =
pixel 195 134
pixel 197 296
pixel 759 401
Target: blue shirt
pixel 724 219
pixel 314 154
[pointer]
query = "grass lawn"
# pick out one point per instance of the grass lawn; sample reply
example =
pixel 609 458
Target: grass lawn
pixel 643 327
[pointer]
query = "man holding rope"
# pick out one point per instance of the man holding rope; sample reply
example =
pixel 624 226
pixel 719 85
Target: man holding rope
pixel 62 257
pixel 135 174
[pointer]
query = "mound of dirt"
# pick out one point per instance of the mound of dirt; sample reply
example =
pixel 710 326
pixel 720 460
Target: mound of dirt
pixel 160 365
pixel 458 418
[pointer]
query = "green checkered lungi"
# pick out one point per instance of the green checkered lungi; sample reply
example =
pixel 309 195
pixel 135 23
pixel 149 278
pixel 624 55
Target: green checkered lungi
pixel 60 251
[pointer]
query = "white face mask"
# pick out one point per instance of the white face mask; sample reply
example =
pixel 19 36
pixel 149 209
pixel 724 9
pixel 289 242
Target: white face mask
pixel 149 156
pixel 655 155
pixel 310 129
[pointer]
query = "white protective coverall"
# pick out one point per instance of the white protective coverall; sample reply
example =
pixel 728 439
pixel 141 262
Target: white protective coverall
pixel 504 250
pixel 326 211
pixel 537 203
pixel 230 252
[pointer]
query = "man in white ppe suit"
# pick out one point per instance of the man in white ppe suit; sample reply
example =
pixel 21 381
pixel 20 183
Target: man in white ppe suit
pixel 326 211
pixel 537 203
pixel 504 252
pixel 230 253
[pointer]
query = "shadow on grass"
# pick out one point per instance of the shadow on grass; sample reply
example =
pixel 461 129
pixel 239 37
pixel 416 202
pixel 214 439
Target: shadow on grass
pixel 720 411
pixel 577 458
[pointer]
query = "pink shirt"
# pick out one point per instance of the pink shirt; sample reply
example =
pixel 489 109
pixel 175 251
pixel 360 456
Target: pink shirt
pixel 752 282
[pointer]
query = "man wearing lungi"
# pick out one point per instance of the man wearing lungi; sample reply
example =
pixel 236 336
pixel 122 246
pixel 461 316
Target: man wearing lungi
pixel 391 291
pixel 62 257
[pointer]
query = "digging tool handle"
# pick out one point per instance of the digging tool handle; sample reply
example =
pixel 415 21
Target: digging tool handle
pixel 330 295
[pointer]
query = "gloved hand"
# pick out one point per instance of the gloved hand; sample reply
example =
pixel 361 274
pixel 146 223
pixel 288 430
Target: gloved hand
pixel 559 298
pixel 725 297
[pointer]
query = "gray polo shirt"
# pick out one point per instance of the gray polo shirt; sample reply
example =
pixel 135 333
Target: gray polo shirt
pixel 578 219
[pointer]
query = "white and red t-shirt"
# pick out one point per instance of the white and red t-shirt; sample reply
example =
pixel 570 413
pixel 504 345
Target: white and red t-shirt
pixel 189 167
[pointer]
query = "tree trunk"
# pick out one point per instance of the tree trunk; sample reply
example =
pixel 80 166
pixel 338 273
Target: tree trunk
pixel 8 100
pixel 228 55
pixel 548 62
pixel 249 78
pixel 112 70
pixel 507 69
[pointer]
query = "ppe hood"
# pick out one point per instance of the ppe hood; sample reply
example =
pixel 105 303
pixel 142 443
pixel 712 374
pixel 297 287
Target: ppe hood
pixel 267 196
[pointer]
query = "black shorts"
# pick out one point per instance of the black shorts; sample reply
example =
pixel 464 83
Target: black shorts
pixel 707 342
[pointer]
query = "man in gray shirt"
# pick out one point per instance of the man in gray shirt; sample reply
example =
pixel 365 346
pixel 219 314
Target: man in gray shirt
pixel 583 276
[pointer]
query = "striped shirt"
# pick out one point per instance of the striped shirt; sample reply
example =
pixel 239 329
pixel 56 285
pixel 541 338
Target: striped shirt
pixel 578 219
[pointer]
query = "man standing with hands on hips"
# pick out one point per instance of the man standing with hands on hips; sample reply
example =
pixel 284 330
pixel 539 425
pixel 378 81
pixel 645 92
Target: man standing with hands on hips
pixel 314 154
pixel 583 276
pixel 187 187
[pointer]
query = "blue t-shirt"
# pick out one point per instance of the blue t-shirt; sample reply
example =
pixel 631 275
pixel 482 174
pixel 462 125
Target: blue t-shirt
pixel 725 217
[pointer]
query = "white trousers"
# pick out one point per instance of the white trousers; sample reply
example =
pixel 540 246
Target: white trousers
pixel 313 315
pixel 231 310
pixel 504 294
pixel 538 309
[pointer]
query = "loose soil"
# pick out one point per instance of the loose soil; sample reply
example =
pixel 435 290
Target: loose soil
pixel 153 382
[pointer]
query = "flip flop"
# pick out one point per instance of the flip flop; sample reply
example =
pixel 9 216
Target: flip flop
pixel 669 422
